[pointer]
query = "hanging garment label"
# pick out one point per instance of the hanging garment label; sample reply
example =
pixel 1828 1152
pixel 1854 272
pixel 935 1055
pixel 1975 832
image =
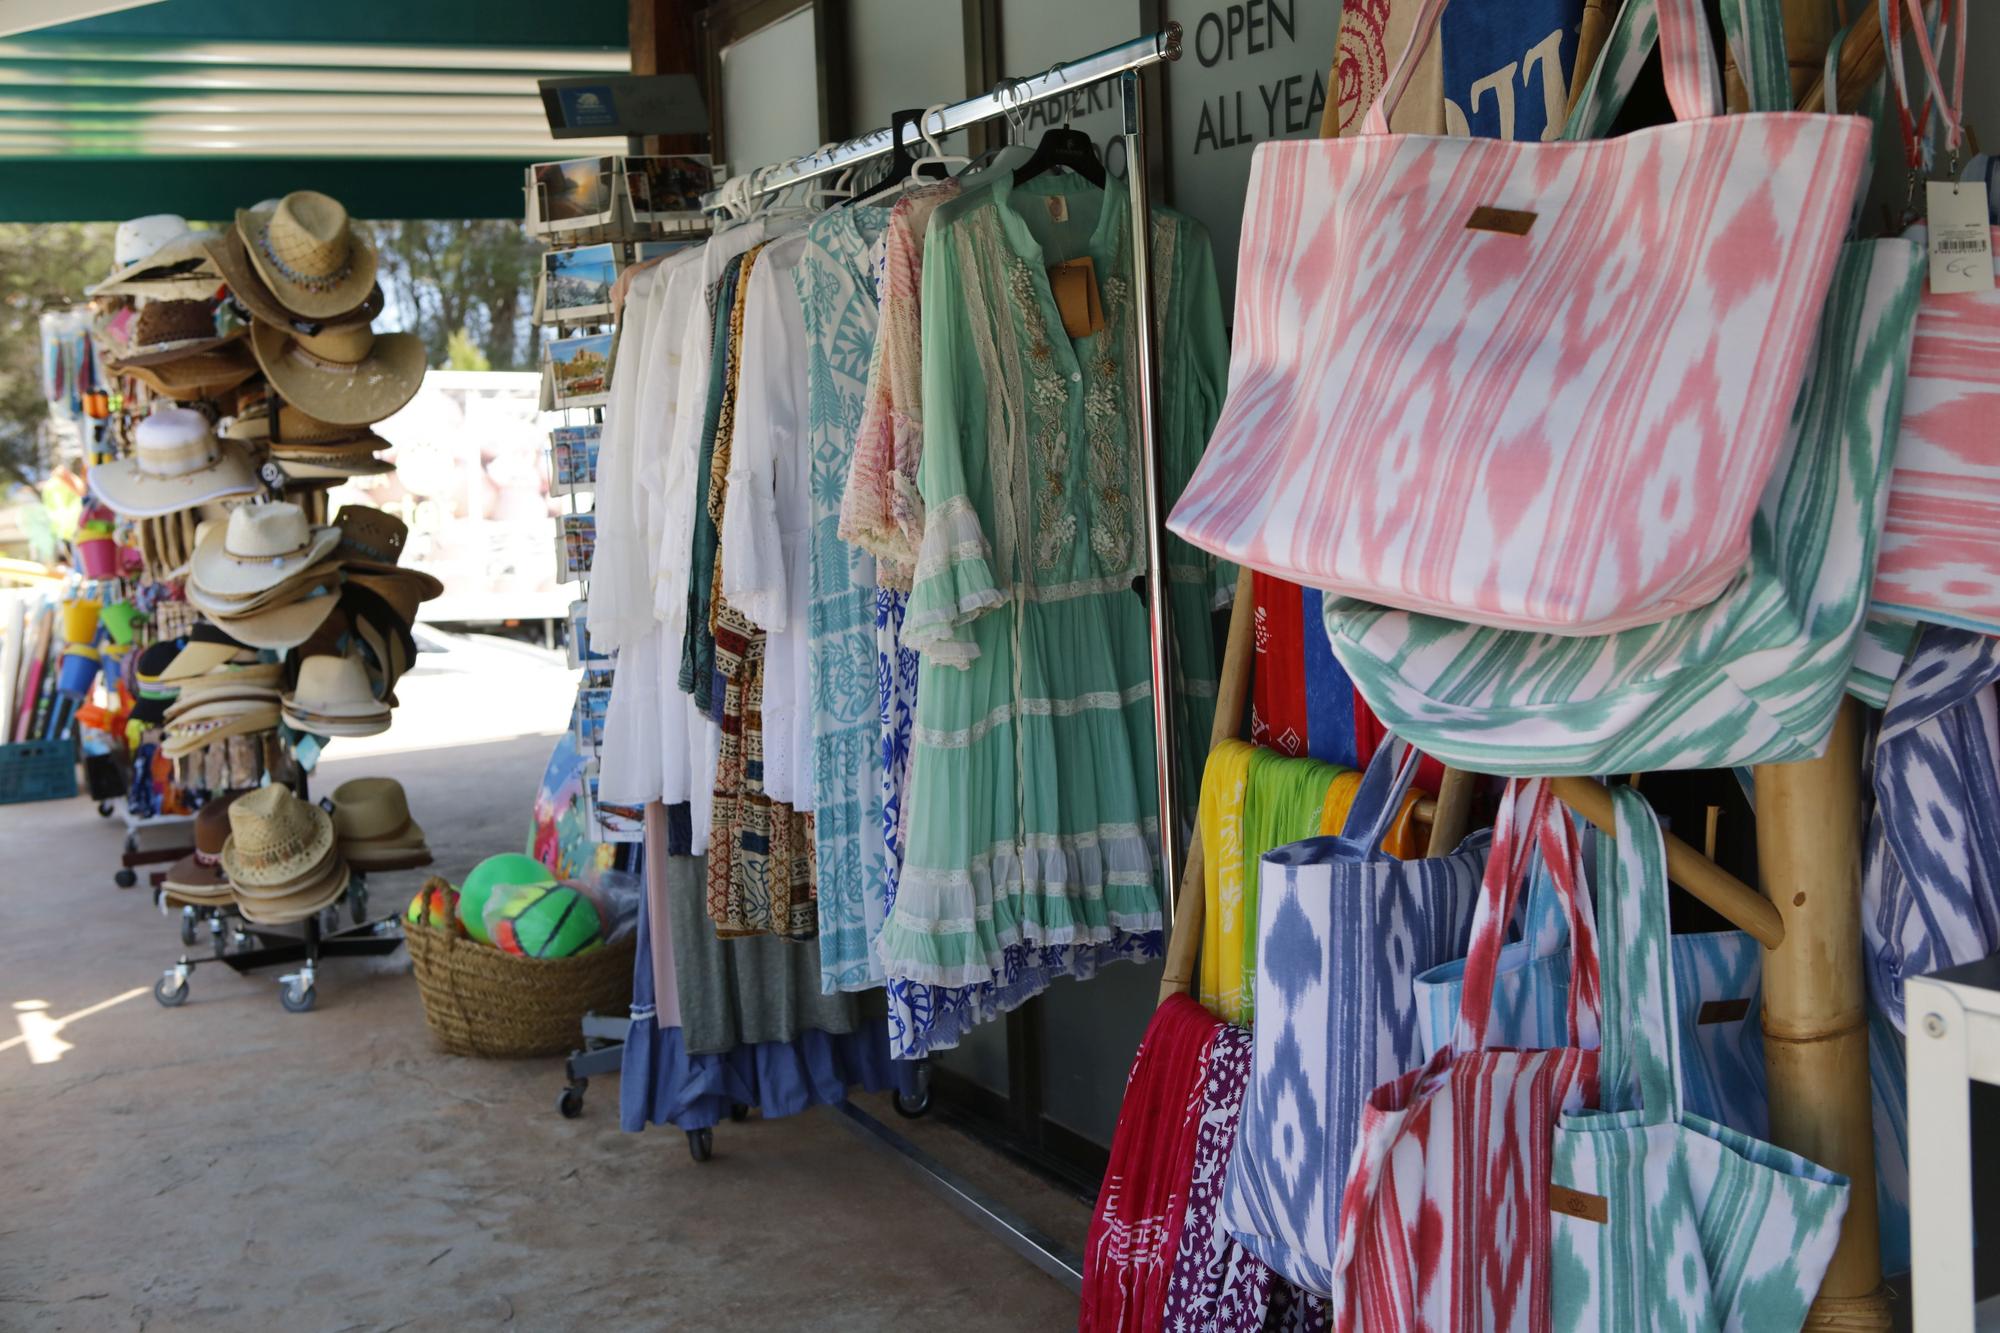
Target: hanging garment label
pixel 1961 239
pixel 1575 1203
pixel 1058 208
pixel 1723 1011
pixel 1074 283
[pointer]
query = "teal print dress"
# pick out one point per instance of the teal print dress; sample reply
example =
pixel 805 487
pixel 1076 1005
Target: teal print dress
pixel 1034 808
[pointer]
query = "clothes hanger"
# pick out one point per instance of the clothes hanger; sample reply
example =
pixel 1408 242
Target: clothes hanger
pixel 938 157
pixel 896 176
pixel 1013 153
pixel 841 188
pixel 1063 148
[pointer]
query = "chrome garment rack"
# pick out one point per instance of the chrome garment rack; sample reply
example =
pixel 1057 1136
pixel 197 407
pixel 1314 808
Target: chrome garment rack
pixel 1126 62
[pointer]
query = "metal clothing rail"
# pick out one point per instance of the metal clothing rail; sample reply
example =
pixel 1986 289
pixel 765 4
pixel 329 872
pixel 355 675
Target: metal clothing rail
pixel 1126 62
pixel 1010 95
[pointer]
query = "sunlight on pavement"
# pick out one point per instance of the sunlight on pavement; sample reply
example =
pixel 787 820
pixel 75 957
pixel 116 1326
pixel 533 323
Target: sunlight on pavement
pixel 38 1030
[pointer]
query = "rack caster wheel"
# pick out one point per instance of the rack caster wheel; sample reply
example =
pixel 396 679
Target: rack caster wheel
pixel 218 939
pixel 104 809
pixel 170 993
pixel 298 999
pixel 357 904
pixel 187 929
pixel 739 1112
pixel 701 1144
pixel 569 1102
pixel 125 878
pixel 912 1108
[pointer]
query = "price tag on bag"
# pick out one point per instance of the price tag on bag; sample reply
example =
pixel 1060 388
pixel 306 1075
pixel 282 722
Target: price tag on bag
pixel 1961 238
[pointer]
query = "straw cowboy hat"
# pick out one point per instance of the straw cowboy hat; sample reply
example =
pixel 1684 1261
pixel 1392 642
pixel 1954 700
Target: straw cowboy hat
pixel 371 542
pixel 226 251
pixel 261 547
pixel 170 330
pixel 382 630
pixel 309 254
pixel 275 839
pixel 158 255
pixel 286 625
pixel 198 877
pixel 204 375
pixel 333 698
pixel 371 822
pixel 347 375
pixel 176 463
pixel 306 448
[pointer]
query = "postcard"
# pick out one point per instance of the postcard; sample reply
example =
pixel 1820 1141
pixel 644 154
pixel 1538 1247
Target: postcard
pixel 666 189
pixel 573 459
pixel 576 284
pixel 574 194
pixel 579 651
pixel 576 546
pixel 579 370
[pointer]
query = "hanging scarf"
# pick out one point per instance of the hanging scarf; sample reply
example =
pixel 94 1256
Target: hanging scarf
pixel 1135 1233
pixel 1223 928
pixel 1339 800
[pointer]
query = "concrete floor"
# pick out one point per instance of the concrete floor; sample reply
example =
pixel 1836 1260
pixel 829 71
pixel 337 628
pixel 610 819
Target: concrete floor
pixel 227 1165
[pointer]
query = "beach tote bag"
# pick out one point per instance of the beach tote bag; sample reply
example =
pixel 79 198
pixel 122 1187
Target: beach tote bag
pixel 1342 931
pixel 1663 1219
pixel 1444 1222
pixel 1941 546
pixel 1532 385
pixel 1756 676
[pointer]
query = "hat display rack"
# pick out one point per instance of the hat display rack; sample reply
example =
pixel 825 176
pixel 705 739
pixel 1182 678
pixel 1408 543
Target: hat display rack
pixel 242 378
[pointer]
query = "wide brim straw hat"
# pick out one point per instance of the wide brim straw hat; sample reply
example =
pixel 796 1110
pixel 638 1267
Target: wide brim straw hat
pixel 170 330
pixel 334 689
pixel 182 268
pixel 207 648
pixel 316 896
pixel 187 379
pixel 184 737
pixel 176 463
pixel 260 548
pixel 338 726
pixel 329 465
pixel 233 676
pixel 231 259
pixel 325 575
pixel 275 838
pixel 312 258
pixel 372 541
pixel 279 628
pixel 374 384
pixel 225 703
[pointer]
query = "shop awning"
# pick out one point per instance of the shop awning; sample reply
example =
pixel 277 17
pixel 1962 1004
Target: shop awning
pixel 400 108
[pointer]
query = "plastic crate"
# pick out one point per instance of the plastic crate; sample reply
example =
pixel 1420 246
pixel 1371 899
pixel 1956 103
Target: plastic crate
pixel 37 771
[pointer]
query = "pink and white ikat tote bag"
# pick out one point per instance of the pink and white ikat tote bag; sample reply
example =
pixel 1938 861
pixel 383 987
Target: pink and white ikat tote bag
pixel 1530 385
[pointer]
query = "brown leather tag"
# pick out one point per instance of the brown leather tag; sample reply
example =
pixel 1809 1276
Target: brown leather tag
pixel 1723 1011
pixel 1575 1203
pixel 1513 221
pixel 1074 282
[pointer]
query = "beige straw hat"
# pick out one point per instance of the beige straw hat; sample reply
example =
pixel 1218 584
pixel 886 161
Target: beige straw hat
pixel 170 330
pixel 189 379
pixel 309 254
pixel 231 259
pixel 349 375
pixel 318 894
pixel 275 838
pixel 283 626
pixel 333 698
pixel 261 547
pixel 371 821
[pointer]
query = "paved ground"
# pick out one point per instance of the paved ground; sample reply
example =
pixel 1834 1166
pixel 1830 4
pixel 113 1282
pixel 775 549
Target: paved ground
pixel 228 1166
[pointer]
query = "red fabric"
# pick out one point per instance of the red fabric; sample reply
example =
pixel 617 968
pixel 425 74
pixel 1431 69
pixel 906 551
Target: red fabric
pixel 1128 1257
pixel 1369 733
pixel 1278 717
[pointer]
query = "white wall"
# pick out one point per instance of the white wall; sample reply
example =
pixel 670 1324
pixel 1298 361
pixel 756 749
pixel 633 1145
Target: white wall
pixel 770 94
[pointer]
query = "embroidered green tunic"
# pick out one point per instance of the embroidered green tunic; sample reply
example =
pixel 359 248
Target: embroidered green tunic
pixel 1034 798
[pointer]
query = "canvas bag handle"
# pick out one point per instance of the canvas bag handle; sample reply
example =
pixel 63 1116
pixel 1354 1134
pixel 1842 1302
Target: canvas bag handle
pixel 1379 798
pixel 1694 83
pixel 1641 1062
pixel 1950 108
pixel 1531 822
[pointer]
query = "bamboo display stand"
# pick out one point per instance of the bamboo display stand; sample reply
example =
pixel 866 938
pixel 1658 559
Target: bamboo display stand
pixel 1809 820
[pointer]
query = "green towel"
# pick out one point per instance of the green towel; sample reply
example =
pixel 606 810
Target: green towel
pixel 1282 801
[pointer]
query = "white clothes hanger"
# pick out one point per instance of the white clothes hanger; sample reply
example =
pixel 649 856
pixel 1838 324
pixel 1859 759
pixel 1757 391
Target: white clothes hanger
pixel 938 156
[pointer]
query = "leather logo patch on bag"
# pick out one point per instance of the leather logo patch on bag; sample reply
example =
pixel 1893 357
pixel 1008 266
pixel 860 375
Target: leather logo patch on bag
pixel 1513 221
pixel 1575 1203
pixel 1723 1011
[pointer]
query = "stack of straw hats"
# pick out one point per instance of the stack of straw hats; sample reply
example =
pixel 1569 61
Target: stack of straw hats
pixel 224 701
pixel 281 859
pixel 333 698
pixel 267 577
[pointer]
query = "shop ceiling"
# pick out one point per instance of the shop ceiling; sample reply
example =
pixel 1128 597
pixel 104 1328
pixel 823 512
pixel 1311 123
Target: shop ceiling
pixel 399 108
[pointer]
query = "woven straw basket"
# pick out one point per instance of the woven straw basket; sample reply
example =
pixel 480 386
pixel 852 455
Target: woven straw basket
pixel 480 1001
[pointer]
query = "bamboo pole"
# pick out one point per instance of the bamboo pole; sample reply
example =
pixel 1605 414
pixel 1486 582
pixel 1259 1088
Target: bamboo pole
pixel 1595 27
pixel 1747 909
pixel 1809 820
pixel 1451 812
pixel 1862 60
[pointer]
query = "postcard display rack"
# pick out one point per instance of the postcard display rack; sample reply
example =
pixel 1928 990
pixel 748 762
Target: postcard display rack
pixel 1126 62
pixel 598 216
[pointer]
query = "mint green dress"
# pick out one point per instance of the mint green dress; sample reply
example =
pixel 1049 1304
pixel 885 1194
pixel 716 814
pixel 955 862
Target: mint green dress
pixel 1034 801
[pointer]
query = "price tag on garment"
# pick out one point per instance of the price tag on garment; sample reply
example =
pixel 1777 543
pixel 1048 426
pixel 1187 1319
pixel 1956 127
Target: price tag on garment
pixel 1074 283
pixel 1058 208
pixel 1961 239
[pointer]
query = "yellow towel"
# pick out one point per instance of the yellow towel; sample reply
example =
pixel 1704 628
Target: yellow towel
pixel 1220 815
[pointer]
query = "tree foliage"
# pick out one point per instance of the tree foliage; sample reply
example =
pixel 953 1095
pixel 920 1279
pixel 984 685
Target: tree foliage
pixel 477 277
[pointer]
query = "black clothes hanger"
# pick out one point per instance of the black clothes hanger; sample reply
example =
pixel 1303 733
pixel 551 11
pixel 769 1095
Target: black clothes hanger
pixel 1071 150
